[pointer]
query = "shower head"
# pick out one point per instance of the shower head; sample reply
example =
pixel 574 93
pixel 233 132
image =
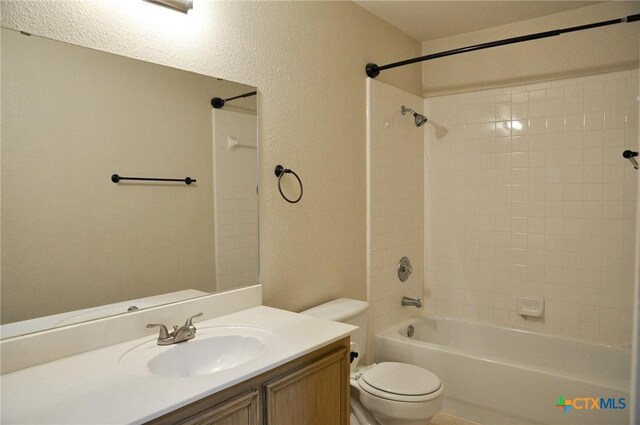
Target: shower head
pixel 418 118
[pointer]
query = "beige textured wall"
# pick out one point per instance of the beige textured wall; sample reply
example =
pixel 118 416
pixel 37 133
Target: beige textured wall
pixel 307 60
pixel 580 53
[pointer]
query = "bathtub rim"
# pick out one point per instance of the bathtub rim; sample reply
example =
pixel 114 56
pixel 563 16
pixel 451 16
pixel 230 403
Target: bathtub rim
pixel 407 322
pixel 393 333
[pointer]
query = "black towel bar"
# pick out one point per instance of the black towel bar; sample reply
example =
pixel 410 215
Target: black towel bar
pixel 116 178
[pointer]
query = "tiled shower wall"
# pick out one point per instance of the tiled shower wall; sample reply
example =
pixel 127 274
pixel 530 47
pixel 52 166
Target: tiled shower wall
pixel 395 213
pixel 527 195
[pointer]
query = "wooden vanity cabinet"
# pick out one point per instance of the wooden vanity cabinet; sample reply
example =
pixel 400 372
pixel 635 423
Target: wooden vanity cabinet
pixel 310 390
pixel 241 410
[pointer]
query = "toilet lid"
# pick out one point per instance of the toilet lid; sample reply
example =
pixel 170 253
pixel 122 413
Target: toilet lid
pixel 401 379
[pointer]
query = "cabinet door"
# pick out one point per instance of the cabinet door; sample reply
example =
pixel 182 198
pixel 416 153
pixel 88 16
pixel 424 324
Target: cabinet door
pixel 242 410
pixel 316 394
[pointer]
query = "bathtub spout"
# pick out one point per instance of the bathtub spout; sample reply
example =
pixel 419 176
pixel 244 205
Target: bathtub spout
pixel 411 302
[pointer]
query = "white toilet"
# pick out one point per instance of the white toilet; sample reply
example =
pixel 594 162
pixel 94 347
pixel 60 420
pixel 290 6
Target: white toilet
pixel 385 393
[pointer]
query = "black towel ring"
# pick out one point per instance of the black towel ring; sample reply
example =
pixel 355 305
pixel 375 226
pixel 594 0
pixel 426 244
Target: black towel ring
pixel 281 171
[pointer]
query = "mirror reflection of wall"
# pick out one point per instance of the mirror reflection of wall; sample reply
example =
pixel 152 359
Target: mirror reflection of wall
pixel 72 239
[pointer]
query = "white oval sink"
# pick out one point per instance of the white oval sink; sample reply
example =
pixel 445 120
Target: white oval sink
pixel 214 349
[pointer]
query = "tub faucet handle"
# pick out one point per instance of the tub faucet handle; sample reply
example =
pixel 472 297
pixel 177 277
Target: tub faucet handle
pixel 404 269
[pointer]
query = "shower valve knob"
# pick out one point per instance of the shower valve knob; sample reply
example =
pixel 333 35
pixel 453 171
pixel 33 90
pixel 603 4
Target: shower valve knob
pixel 404 269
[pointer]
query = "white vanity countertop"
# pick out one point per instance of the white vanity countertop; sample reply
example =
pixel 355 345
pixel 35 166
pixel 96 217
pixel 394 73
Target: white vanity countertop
pixel 92 388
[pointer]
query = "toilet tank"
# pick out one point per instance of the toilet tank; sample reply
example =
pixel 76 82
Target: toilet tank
pixel 345 310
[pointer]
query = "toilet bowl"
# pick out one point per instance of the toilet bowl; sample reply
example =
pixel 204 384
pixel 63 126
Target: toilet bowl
pixel 398 393
pixel 387 393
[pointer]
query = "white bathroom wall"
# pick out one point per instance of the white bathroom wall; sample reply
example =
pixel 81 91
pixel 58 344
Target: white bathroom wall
pixel 236 200
pixel 395 198
pixel 527 194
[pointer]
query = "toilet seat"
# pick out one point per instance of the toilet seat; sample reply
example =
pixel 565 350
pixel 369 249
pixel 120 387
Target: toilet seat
pixel 400 382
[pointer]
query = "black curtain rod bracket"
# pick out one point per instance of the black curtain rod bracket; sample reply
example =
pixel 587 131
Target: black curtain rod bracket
pixel 218 102
pixel 116 179
pixel 373 70
pixel 631 156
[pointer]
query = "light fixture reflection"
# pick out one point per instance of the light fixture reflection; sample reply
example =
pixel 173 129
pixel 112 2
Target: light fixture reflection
pixel 180 5
pixel 515 125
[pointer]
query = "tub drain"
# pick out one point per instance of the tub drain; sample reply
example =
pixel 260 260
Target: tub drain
pixel 410 331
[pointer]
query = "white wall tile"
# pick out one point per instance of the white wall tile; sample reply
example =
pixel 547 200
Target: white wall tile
pixel 396 185
pixel 542 210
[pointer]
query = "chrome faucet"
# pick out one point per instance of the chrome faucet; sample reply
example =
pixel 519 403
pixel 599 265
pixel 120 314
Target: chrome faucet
pixel 411 302
pixel 178 334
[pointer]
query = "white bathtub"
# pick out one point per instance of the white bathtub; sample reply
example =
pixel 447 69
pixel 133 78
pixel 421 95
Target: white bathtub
pixel 496 375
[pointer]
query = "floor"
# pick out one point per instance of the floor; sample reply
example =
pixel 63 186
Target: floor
pixel 444 419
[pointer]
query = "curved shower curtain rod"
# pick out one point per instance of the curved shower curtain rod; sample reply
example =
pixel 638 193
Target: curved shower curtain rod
pixel 373 70
pixel 218 103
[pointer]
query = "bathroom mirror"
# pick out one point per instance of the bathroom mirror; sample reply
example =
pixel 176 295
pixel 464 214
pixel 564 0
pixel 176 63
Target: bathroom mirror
pixel 75 245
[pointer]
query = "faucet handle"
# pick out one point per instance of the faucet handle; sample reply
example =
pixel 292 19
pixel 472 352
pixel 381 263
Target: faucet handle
pixel 189 320
pixel 164 333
